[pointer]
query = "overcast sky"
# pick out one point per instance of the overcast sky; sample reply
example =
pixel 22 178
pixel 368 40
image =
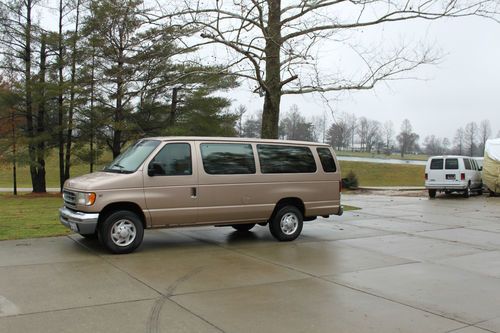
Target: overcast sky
pixel 463 87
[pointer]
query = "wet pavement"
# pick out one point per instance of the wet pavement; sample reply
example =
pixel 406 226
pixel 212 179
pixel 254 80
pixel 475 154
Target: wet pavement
pixel 401 264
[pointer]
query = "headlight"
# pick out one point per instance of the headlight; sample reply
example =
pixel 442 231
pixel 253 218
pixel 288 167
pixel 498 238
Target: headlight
pixel 85 198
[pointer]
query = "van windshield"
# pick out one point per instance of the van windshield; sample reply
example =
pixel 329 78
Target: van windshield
pixel 132 158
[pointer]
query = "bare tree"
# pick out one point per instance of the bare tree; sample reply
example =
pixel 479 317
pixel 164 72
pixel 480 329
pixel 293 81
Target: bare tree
pixel 373 135
pixel 470 137
pixel 352 124
pixel 407 138
pixel 388 133
pixel 362 132
pixel 484 133
pixel 275 43
pixel 295 127
pixel 240 112
pixel 338 134
pixel 435 146
pixel 459 141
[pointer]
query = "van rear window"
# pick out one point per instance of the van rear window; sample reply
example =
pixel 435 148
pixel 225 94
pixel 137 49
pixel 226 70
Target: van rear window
pixel 325 155
pixel 227 158
pixel 437 164
pixel 286 159
pixel 451 164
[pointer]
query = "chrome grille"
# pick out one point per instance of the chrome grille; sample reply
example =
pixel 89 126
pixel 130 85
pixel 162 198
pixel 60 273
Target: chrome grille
pixel 69 198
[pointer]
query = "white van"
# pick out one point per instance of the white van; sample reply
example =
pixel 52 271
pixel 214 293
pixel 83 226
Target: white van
pixel 453 174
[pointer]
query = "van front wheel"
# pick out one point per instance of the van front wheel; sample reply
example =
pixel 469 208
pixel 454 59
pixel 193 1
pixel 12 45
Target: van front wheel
pixel 286 224
pixel 121 232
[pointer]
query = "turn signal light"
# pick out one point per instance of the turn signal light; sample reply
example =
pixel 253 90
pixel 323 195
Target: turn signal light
pixel 462 176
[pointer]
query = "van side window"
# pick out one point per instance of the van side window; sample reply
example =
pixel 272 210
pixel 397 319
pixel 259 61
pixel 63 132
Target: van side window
pixel 285 159
pixel 325 155
pixel 174 159
pixel 467 164
pixel 475 166
pixel 227 158
pixel 451 164
pixel 437 164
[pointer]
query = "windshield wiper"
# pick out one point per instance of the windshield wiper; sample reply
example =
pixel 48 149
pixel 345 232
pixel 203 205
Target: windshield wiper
pixel 120 167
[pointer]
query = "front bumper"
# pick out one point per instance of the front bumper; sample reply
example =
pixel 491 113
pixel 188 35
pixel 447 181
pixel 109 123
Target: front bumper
pixel 83 223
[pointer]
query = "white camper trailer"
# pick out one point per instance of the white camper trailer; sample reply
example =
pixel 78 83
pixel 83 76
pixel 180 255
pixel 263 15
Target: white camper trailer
pixel 491 166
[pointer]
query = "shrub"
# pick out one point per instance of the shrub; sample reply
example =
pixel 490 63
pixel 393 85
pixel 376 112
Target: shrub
pixel 351 181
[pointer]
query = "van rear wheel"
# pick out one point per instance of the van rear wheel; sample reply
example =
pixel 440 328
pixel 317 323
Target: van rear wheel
pixel 286 224
pixel 432 194
pixel 121 232
pixel 466 193
pixel 243 227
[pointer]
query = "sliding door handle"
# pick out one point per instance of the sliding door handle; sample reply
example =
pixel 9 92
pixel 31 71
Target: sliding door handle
pixel 193 192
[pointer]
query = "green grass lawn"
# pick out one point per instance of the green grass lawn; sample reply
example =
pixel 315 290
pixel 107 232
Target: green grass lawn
pixel 52 171
pixel 378 174
pixel 419 157
pixel 30 216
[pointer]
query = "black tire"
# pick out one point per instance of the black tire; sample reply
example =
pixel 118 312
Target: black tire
pixel 480 192
pixel 286 224
pixel 466 192
pixel 243 227
pixel 121 232
pixel 432 194
pixel 447 192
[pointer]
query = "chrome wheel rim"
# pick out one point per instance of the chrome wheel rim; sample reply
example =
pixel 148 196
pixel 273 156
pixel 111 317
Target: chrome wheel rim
pixel 289 223
pixel 123 232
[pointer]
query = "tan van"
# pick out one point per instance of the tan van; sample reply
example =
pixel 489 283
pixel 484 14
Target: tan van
pixel 170 182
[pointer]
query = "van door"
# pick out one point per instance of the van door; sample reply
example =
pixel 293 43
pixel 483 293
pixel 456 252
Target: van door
pixel 436 175
pixel 227 182
pixel 171 185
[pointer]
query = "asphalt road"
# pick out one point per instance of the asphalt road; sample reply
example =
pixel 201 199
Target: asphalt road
pixel 401 264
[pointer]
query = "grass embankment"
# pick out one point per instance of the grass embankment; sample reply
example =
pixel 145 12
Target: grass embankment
pixel 30 216
pixel 418 157
pixel 51 168
pixel 377 174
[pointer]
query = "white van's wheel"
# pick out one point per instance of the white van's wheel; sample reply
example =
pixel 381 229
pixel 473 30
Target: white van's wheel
pixel 286 224
pixel 121 232
pixel 467 192
pixel 432 194
pixel 243 227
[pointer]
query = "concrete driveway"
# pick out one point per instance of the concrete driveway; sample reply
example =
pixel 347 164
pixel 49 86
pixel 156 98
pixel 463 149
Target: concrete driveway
pixel 402 264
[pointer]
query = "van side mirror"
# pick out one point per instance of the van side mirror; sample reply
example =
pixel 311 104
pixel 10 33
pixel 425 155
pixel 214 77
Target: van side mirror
pixel 155 169
pixel 480 168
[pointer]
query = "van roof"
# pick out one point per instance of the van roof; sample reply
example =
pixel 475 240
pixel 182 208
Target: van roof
pixel 234 139
pixel 449 156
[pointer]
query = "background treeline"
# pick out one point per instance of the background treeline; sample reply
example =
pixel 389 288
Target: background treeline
pixel 104 76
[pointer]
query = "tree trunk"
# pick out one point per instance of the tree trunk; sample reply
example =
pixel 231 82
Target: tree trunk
pixel 117 135
pixel 71 97
pixel 14 152
pixel 60 99
pixel 92 97
pixel 173 107
pixel 272 99
pixel 40 128
pixel 28 90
